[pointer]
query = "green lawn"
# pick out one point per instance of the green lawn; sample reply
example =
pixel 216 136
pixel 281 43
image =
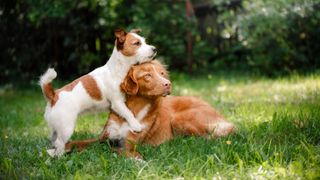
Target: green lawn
pixel 278 122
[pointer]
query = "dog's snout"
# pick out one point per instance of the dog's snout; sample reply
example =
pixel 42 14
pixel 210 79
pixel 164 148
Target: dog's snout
pixel 167 84
pixel 154 49
pixel 167 88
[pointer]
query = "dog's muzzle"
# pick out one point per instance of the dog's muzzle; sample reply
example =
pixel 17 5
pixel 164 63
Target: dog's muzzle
pixel 166 94
pixel 153 56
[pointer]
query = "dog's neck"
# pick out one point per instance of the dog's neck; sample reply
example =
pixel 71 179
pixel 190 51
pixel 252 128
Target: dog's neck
pixel 120 65
pixel 137 102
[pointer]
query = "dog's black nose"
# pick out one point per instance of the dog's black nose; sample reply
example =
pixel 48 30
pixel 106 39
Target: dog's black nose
pixel 154 49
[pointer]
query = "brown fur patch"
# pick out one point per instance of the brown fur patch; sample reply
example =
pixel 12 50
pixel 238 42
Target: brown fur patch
pixel 89 84
pixel 50 94
pixel 120 38
pixel 69 86
pixel 91 87
pixel 129 85
pixel 130 47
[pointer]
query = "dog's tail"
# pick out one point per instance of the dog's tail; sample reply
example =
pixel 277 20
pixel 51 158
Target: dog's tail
pixel 46 86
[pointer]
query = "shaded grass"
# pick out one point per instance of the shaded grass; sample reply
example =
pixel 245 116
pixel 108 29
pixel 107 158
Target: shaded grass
pixel 278 122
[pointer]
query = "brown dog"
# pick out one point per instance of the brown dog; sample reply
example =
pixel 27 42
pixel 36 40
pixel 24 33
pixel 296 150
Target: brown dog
pixel 163 117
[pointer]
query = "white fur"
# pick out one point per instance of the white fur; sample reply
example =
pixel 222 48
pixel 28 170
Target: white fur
pixel 62 116
pixel 143 112
pixel 221 128
pixel 119 131
pixel 48 76
pixel 116 131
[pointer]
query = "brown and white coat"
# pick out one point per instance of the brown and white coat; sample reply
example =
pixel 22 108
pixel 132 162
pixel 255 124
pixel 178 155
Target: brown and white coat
pixel 163 117
pixel 97 90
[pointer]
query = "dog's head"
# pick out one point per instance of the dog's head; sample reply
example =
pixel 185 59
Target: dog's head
pixel 149 79
pixel 133 47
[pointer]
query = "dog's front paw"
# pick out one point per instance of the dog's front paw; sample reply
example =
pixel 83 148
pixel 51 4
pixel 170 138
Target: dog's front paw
pixel 136 127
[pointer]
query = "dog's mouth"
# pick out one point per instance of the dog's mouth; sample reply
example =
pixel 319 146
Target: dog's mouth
pixel 166 94
pixel 149 58
pixel 153 56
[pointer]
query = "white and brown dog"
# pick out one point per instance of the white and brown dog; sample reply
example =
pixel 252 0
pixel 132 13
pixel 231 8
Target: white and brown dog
pixel 94 91
pixel 165 117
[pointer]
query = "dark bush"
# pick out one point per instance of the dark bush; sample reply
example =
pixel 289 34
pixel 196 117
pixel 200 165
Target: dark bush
pixel 272 37
pixel 282 36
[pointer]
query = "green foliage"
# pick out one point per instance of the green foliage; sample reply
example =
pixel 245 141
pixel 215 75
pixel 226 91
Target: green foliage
pixel 73 36
pixel 166 26
pixel 281 34
pixel 271 37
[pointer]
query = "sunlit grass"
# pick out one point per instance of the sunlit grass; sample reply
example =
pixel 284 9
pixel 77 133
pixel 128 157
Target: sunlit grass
pixel 278 123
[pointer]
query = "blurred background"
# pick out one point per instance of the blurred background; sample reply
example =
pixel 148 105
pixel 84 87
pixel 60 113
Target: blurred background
pixel 269 37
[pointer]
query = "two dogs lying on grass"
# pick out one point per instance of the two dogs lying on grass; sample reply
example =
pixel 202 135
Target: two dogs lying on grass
pixel 141 111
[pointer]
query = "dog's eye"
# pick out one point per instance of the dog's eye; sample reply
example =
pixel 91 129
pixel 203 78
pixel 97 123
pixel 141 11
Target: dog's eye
pixel 137 43
pixel 164 74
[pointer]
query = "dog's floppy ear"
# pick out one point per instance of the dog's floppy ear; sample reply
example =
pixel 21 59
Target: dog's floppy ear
pixel 136 30
pixel 120 36
pixel 130 85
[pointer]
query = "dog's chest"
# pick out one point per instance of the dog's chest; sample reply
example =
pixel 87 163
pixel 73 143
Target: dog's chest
pixel 108 82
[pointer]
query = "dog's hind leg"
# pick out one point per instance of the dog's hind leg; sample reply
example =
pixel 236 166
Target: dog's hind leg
pixel 53 136
pixel 59 143
pixel 63 133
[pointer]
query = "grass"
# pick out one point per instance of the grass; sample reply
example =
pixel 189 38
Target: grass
pixel 278 122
